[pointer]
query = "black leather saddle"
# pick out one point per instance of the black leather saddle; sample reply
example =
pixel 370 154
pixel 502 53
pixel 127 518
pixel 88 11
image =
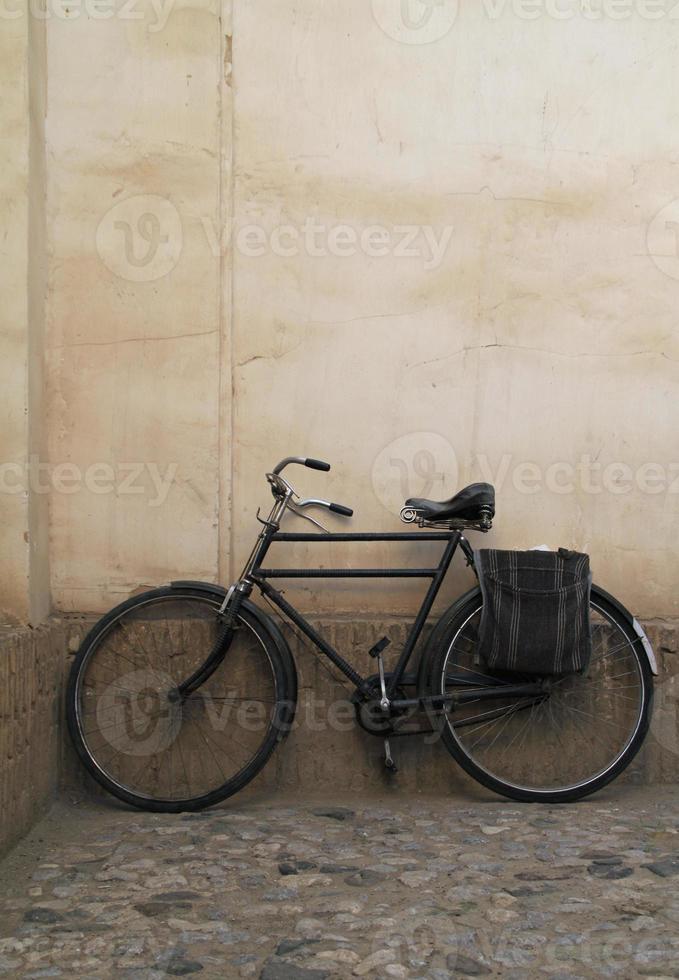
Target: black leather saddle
pixel 467 505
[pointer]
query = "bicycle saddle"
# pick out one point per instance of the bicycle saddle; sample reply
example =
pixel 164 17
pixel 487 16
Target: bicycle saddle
pixel 465 505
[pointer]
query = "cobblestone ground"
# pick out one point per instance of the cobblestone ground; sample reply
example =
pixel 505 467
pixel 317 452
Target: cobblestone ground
pixel 428 888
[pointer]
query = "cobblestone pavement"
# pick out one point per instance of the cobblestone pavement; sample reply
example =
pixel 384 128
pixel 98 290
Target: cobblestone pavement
pixel 415 887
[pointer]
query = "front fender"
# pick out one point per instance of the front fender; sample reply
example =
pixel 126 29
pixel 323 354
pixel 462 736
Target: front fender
pixel 203 586
pixel 265 621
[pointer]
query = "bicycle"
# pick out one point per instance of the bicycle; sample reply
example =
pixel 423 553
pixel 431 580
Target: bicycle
pixel 179 695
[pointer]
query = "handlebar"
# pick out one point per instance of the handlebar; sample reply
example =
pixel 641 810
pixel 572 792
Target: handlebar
pixel 341 509
pixel 313 464
pixel 283 487
pixel 335 508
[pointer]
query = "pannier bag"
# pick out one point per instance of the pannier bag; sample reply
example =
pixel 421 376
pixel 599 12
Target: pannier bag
pixel 535 616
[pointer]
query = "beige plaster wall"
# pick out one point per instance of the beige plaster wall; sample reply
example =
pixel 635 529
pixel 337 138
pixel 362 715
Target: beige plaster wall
pixel 24 576
pixel 14 272
pixel 538 156
pixel 136 300
pixel 546 333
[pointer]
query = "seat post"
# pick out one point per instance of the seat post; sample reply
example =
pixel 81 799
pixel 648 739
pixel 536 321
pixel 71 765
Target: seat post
pixel 423 614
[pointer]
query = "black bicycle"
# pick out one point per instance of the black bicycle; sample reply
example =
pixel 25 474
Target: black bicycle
pixel 178 696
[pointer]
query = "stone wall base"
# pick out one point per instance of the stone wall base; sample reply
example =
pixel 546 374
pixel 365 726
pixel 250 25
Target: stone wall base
pixel 31 673
pixel 326 753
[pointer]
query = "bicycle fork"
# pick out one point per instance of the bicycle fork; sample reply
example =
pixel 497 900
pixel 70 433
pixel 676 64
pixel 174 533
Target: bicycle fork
pixel 228 614
pixel 229 609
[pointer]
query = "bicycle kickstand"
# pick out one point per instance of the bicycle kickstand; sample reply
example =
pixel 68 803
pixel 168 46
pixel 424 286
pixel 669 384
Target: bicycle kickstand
pixel 388 761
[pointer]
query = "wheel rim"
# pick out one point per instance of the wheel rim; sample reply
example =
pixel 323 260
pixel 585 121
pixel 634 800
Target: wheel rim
pixel 561 742
pixel 139 737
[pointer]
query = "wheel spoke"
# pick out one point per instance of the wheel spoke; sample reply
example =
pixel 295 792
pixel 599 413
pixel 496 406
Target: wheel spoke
pixel 152 750
pixel 562 742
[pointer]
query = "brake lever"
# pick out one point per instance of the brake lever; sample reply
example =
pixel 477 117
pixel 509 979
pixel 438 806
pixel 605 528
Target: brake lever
pixel 306 517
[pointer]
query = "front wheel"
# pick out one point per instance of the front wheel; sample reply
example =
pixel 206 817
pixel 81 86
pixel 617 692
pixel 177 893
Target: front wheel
pixel 558 746
pixel 160 751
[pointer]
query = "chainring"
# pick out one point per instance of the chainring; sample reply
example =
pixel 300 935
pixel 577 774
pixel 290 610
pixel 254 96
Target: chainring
pixel 369 713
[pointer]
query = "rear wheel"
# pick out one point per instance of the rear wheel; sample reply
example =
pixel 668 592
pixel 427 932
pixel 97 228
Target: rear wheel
pixel 160 752
pixel 558 746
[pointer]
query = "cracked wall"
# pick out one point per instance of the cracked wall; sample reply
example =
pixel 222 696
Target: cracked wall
pixel 546 333
pixel 528 320
pixel 24 569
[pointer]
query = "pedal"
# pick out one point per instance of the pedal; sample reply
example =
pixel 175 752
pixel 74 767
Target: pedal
pixel 388 761
pixel 379 647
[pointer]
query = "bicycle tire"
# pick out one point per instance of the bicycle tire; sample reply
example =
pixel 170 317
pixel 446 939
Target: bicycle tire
pixel 434 672
pixel 284 679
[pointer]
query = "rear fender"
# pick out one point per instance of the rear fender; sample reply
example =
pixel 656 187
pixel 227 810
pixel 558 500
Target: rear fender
pixel 423 680
pixel 634 623
pixel 436 636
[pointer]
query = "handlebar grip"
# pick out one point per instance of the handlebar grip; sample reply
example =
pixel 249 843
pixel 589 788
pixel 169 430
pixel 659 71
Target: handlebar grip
pixel 317 464
pixel 340 509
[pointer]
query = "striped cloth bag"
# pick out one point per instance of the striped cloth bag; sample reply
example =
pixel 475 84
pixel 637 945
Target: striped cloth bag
pixel 535 616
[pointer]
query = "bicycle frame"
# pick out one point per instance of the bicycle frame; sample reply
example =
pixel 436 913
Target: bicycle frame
pixel 260 577
pixel 254 574
pixel 499 724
